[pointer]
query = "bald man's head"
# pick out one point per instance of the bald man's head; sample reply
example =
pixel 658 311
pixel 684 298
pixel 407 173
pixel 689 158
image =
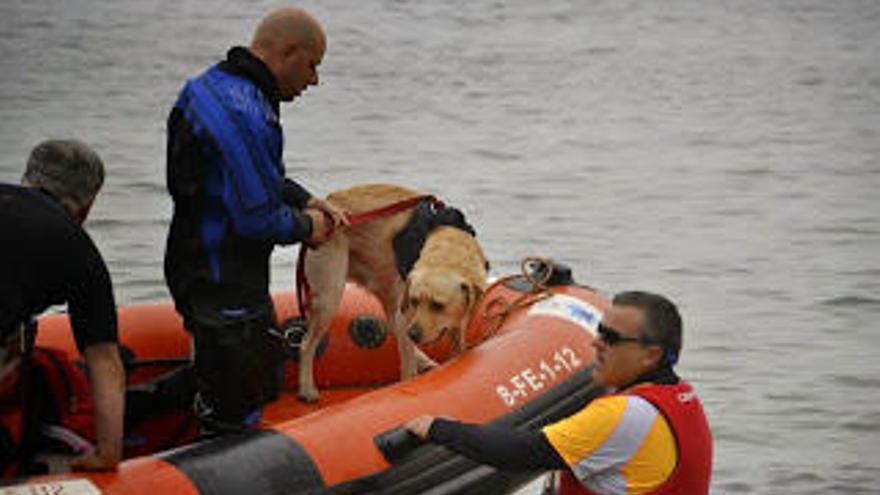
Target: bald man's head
pixel 292 44
pixel 287 25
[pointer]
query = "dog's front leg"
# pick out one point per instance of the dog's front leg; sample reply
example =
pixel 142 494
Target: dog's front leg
pixel 412 360
pixel 406 350
pixel 423 362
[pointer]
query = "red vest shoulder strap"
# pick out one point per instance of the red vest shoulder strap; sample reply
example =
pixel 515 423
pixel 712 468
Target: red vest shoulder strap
pixel 683 411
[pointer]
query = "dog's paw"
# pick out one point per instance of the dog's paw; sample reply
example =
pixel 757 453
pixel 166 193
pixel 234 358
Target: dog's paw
pixel 308 396
pixel 426 365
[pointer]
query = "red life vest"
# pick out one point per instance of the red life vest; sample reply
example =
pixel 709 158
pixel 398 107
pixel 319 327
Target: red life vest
pixel 71 398
pixel 10 439
pixel 684 413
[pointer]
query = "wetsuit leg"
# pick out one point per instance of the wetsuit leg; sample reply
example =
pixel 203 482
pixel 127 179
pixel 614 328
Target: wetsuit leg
pixel 236 372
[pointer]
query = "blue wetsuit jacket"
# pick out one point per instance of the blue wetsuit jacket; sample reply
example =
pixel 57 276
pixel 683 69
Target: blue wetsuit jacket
pixel 232 202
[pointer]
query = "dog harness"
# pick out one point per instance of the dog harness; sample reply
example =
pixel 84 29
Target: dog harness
pixel 429 214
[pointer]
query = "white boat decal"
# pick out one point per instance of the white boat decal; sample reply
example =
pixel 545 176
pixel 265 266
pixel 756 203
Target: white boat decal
pixel 569 308
pixel 61 487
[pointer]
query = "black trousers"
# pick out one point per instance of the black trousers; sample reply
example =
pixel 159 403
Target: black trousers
pixel 238 367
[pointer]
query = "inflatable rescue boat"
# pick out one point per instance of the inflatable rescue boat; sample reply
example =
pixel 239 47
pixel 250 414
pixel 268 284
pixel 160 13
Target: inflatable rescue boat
pixel 529 345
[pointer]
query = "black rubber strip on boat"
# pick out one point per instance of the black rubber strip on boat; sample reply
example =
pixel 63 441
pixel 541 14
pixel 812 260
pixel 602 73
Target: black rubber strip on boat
pixel 256 461
pixel 434 470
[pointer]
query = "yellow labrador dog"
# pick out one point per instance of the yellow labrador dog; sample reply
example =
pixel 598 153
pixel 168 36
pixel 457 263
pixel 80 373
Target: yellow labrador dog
pixel 436 297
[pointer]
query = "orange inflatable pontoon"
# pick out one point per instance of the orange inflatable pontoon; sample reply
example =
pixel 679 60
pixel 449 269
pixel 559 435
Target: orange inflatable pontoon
pixel 527 365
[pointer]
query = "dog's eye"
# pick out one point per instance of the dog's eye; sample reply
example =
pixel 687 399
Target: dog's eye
pixel 414 302
pixel 435 306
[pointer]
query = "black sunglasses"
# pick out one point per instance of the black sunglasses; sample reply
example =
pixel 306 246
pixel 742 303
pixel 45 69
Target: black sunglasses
pixel 612 337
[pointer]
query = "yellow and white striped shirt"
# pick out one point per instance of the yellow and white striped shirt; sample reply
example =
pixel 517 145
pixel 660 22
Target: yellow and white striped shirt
pixel 618 444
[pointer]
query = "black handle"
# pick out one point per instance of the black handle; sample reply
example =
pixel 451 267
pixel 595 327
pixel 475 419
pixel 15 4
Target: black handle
pixel 397 443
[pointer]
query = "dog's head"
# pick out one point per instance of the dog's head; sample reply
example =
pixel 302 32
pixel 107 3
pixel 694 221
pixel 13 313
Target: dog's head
pixel 437 302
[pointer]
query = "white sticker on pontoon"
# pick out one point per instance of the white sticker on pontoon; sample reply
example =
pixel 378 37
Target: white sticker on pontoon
pixel 61 487
pixel 569 308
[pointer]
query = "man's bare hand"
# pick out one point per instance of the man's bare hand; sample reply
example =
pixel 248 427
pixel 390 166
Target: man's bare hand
pixel 322 229
pixel 338 216
pixel 107 377
pixel 420 426
pixel 94 462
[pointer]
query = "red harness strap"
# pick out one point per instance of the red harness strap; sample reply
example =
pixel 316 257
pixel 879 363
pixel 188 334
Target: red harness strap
pixel 406 204
pixel 303 291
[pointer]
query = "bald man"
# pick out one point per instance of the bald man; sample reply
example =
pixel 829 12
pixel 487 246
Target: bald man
pixel 232 205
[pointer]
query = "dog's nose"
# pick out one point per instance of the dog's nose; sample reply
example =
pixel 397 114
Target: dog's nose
pixel 415 333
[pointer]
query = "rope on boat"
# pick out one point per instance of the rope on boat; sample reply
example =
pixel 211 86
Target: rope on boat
pixel 537 271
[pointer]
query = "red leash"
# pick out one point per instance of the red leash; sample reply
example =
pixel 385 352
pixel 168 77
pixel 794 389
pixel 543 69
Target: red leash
pixel 303 291
pixel 366 216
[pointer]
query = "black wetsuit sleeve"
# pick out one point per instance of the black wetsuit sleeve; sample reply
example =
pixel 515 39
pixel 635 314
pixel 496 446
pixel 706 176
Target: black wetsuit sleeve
pixel 502 448
pixel 186 158
pixel 294 194
pixel 91 305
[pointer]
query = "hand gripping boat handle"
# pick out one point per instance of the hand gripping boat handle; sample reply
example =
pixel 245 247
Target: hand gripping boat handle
pixel 397 443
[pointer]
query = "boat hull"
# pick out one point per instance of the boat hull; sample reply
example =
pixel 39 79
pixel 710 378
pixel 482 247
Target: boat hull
pixel 528 366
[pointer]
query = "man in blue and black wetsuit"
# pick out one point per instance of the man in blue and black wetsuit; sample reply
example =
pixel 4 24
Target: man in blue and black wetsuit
pixel 232 205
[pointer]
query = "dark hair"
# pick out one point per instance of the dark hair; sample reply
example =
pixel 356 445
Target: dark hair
pixel 662 321
pixel 67 168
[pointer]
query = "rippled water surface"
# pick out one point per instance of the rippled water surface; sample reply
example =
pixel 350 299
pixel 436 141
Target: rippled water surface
pixel 724 153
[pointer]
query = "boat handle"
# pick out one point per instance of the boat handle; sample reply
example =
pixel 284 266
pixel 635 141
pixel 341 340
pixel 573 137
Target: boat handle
pixel 397 443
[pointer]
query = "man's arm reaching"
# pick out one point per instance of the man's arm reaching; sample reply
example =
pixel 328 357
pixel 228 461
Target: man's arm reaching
pixel 108 392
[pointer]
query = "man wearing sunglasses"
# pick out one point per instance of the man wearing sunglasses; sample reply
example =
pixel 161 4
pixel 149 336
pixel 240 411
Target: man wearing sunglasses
pixel 648 435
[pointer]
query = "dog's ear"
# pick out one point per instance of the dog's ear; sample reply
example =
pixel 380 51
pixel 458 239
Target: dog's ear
pixel 472 294
pixel 466 290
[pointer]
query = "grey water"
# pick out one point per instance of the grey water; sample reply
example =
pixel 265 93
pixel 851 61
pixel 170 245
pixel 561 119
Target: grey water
pixel 724 153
